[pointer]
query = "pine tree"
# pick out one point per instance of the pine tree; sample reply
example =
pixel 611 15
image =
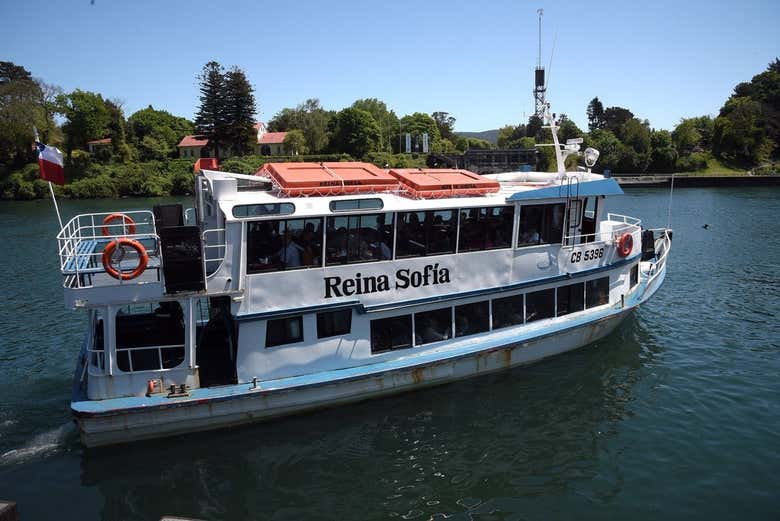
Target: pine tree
pixel 239 112
pixel 210 120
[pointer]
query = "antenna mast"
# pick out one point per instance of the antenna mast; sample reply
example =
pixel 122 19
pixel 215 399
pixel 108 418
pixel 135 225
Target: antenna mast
pixel 539 86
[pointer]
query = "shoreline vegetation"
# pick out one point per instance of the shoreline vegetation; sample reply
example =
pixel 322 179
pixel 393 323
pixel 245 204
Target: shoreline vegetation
pixel 110 156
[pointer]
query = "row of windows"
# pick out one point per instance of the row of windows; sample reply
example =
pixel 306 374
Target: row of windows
pixel 393 333
pixel 274 245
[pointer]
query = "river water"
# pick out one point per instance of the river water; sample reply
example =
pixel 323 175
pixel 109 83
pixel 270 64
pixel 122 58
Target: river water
pixel 674 416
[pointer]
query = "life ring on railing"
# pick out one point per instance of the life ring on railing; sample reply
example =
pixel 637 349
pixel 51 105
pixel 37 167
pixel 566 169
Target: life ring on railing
pixel 143 258
pixel 126 220
pixel 625 244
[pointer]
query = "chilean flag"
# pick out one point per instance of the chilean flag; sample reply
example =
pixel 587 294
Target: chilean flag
pixel 51 164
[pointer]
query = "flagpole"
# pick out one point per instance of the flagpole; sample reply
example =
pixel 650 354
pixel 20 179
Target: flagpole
pixel 51 188
pixel 56 208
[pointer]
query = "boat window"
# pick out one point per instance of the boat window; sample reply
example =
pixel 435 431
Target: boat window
pixel 432 326
pixel 634 280
pixel 485 228
pixel 392 333
pixel 507 311
pixel 356 204
pixel 149 336
pixel 260 210
pixel 571 298
pixel 284 331
pixel 472 318
pixel 359 238
pixel 541 224
pixel 540 304
pixel 334 323
pixel 589 219
pixel 426 233
pixel 597 292
pixel 287 244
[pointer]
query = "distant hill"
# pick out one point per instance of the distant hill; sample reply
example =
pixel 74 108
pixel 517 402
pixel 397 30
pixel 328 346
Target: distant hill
pixel 488 135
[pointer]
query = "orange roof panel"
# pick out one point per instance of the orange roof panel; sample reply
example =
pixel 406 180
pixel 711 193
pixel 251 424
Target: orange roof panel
pixel 443 182
pixel 301 179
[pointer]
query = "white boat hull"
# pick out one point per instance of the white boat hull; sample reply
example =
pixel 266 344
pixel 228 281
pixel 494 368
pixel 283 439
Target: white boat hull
pixel 259 404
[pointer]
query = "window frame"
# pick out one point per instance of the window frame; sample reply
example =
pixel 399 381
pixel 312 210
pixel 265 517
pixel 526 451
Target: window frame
pixel 544 223
pixel 287 341
pixel 320 318
pixel 398 318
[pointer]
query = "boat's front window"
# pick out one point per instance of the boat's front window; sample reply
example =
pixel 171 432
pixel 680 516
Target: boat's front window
pixel 541 224
pixel 286 244
pixel 149 336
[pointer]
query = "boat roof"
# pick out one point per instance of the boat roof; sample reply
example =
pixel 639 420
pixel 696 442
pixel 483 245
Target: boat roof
pixel 443 182
pixel 511 187
pixel 321 179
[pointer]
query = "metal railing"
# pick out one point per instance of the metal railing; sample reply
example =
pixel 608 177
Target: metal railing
pixel 214 249
pixel 159 349
pixel 662 252
pixel 83 239
pixel 625 224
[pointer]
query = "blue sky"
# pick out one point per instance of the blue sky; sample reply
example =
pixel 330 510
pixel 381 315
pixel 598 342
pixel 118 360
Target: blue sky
pixel 662 60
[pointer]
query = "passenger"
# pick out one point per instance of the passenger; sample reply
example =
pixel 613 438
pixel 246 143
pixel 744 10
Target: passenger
pixel 290 255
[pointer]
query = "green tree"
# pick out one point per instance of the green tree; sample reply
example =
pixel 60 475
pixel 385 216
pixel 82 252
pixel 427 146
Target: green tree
pixel 686 136
pixel 354 132
pixel 445 123
pixel 595 112
pixel 635 135
pixel 210 119
pixel 608 145
pixel 19 111
pixel 568 129
pixel 663 155
pixel 418 124
pixel 310 118
pixel 155 133
pixel 740 133
pixel 465 143
pixel 534 128
pixel 116 131
pixel 385 119
pixel 86 118
pixel 295 142
pixel 616 117
pixel 240 112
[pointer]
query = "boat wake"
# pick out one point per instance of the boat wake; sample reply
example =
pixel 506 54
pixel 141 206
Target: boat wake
pixel 43 444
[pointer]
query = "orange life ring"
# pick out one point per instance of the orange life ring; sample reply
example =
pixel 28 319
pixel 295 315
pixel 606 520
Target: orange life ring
pixel 126 219
pixel 143 258
pixel 625 244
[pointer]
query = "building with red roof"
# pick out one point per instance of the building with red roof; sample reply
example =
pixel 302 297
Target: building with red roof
pixel 96 144
pixel 268 144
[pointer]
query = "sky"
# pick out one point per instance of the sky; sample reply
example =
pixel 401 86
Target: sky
pixel 662 60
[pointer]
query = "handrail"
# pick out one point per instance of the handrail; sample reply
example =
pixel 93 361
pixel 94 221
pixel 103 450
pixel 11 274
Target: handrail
pixel 220 245
pixel 148 348
pixel 571 241
pixel 624 218
pixel 660 263
pixel 81 242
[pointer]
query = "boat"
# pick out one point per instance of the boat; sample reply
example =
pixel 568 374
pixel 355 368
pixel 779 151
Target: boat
pixel 311 285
